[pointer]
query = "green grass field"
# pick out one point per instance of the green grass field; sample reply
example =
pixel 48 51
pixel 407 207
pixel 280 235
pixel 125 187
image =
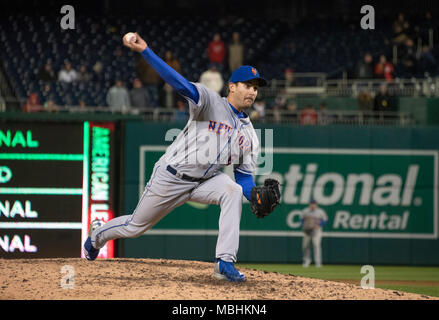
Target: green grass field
pixel 422 280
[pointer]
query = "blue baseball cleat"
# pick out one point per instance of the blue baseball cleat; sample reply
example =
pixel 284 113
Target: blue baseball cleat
pixel 224 270
pixel 90 252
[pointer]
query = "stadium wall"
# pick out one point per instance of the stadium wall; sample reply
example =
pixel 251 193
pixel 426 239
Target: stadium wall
pixel 378 186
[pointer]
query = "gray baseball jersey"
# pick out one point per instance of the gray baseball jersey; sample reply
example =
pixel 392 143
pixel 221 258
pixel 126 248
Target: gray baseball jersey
pixel 213 138
pixel 313 218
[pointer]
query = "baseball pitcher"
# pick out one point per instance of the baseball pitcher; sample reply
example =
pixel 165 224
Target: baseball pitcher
pixel 313 219
pixel 218 133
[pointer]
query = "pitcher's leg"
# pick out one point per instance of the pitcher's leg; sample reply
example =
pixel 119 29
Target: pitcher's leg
pixel 150 210
pixel 228 226
pixel 161 196
pixel 228 194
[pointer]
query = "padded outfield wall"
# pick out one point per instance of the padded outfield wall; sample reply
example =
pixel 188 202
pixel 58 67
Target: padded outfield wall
pixel 378 186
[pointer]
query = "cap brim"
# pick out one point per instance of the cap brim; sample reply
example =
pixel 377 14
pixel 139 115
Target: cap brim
pixel 262 82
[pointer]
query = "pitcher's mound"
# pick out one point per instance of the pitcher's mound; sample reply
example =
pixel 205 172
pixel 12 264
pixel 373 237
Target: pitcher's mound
pixel 164 280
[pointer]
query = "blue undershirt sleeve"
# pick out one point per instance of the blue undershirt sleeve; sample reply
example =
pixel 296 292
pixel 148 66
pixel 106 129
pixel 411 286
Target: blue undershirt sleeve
pixel 172 77
pixel 246 182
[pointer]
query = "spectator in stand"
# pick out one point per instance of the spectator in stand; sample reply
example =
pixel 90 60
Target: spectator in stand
pixel 364 68
pixel 279 104
pixel 150 79
pixel 168 93
pixel 323 115
pixel 289 77
pixel 97 72
pixel 292 106
pixel 139 95
pixel 259 107
pixel 212 79
pixel 236 52
pixel 83 75
pixel 408 56
pixel 402 21
pixel 384 101
pixel 46 74
pixel 427 62
pixel 254 115
pixel 181 115
pixel 82 103
pixel 67 74
pixel 47 92
pixel 168 97
pixel 217 51
pixel 50 105
pixel 308 116
pixel 32 104
pixel 425 26
pixel 399 35
pixel 401 29
pixel 384 69
pixel 172 61
pixel 292 114
pixel 118 97
pixel 365 101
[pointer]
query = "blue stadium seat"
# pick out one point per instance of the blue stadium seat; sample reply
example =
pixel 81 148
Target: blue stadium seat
pixel 28 42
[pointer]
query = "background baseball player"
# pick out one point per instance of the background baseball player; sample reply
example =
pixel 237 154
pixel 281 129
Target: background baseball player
pixel 218 133
pixel 313 218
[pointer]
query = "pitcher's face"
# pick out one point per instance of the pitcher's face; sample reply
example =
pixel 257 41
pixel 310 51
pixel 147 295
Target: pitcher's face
pixel 243 94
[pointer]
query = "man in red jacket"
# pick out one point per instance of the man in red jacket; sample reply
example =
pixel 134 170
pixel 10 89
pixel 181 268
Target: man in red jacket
pixel 384 69
pixel 217 51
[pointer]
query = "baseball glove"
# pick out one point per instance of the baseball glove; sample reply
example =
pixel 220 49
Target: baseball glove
pixel 265 198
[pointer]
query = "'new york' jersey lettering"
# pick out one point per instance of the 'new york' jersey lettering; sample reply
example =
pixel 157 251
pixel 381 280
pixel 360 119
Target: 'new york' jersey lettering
pixel 213 138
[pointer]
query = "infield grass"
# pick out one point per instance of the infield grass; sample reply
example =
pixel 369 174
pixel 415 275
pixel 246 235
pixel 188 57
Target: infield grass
pixel 421 280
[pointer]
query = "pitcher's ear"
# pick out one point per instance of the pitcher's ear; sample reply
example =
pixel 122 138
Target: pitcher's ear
pixel 231 87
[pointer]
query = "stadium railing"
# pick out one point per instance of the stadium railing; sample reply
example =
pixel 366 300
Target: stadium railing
pixel 427 87
pixel 317 84
pixel 297 117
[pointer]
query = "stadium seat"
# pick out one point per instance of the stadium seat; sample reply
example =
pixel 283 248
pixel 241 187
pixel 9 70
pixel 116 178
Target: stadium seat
pixel 28 42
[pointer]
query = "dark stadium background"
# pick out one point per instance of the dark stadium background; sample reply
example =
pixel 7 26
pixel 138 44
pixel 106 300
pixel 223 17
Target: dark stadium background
pixel 305 36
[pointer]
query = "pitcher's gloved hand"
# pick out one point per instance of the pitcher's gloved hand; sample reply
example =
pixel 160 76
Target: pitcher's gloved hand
pixel 265 198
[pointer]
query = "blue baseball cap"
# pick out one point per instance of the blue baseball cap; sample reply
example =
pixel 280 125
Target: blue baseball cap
pixel 246 73
pixel 313 200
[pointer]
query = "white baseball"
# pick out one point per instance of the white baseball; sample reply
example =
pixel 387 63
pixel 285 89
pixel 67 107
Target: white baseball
pixel 129 36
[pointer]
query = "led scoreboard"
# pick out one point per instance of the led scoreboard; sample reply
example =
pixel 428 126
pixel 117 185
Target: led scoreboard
pixel 54 178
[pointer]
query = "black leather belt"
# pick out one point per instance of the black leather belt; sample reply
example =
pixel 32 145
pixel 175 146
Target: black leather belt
pixel 183 176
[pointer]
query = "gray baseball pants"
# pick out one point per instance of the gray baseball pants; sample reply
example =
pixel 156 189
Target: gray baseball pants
pixel 316 239
pixel 164 192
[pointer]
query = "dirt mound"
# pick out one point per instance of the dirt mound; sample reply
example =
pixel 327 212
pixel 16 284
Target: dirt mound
pixel 44 279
